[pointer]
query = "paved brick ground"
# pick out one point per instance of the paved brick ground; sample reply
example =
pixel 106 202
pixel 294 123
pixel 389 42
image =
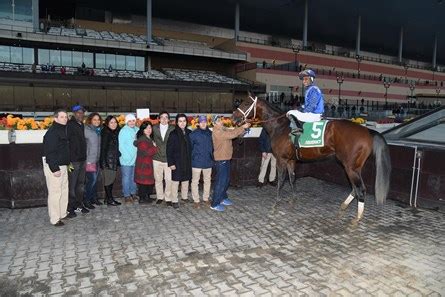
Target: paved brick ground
pixel 302 249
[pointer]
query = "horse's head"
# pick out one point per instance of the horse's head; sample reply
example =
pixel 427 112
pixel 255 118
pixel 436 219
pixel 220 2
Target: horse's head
pixel 246 110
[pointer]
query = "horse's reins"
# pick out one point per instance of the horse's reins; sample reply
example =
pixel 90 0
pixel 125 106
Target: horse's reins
pixel 253 107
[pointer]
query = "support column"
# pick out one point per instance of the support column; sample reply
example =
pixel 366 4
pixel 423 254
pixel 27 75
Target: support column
pixel 13 10
pixel 149 22
pixel 305 23
pixel 435 52
pixel 359 32
pixel 236 21
pixel 35 15
pixel 401 44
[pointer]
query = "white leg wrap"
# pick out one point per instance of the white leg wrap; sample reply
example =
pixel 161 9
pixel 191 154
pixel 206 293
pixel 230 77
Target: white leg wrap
pixel 348 200
pixel 361 209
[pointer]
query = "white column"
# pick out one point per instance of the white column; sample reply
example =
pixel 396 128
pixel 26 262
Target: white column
pixel 35 15
pixel 13 10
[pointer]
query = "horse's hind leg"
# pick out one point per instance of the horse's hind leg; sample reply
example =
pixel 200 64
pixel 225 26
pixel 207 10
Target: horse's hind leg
pixel 291 173
pixel 281 170
pixel 348 200
pixel 360 191
pixel 345 205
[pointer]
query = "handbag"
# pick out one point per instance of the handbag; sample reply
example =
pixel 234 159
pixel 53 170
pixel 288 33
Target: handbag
pixel 91 167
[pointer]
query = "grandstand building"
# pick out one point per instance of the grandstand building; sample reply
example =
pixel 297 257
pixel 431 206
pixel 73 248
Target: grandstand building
pixel 113 61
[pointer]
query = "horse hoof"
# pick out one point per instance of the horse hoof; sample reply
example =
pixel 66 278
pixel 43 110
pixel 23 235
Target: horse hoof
pixel 343 206
pixel 341 213
pixel 355 222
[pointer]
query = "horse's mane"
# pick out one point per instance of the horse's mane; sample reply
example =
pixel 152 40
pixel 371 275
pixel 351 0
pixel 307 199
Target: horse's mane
pixel 280 122
pixel 274 108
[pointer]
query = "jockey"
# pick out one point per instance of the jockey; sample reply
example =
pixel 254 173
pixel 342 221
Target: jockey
pixel 313 106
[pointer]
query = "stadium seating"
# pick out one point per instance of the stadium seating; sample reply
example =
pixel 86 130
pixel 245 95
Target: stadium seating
pixel 126 37
pixel 200 76
pixel 166 74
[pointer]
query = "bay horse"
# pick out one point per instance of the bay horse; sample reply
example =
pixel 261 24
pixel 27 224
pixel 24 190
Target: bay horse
pixel 350 143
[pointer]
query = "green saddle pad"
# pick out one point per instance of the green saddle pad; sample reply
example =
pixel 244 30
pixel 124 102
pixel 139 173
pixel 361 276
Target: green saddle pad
pixel 313 134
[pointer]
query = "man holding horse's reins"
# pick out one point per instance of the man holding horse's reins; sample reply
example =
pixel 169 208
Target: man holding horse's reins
pixel 313 106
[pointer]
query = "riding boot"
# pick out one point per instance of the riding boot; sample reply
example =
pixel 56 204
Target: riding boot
pixel 109 196
pixel 296 131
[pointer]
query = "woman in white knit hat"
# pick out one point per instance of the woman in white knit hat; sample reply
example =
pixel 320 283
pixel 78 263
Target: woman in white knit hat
pixel 127 160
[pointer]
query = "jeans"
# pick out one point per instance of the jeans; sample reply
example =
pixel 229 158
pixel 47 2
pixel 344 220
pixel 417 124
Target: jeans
pixel 76 182
pixel 91 186
pixel 128 185
pixel 222 182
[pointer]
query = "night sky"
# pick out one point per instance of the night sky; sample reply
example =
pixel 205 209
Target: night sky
pixel 332 22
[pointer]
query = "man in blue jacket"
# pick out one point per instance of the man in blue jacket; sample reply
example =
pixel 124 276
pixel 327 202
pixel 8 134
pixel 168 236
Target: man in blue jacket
pixel 267 157
pixel 202 160
pixel 313 101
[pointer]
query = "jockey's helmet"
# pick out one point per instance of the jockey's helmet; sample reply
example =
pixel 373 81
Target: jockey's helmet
pixel 307 72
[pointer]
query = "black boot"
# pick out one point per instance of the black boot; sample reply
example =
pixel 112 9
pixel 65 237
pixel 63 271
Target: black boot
pixel 108 196
pixel 97 202
pixel 297 131
pixel 111 195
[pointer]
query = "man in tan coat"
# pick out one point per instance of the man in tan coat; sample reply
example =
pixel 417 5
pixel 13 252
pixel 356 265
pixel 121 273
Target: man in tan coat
pixel 222 152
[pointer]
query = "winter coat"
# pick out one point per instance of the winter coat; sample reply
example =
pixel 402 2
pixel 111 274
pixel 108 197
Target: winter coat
pixel 92 137
pixel 109 149
pixel 264 140
pixel 222 142
pixel 202 148
pixel 143 172
pixel 161 155
pixel 56 147
pixel 179 153
pixel 128 151
pixel 76 136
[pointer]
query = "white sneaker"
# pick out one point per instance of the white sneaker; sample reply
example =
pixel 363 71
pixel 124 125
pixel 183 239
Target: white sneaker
pixel 78 209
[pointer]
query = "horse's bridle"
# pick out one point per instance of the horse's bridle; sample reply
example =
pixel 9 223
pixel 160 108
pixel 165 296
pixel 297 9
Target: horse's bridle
pixel 249 110
pixel 253 107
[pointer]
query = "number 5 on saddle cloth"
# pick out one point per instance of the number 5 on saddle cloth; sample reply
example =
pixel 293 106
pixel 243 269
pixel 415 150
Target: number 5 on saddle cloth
pixel 311 136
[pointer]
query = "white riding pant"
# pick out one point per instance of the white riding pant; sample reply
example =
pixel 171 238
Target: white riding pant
pixel 304 116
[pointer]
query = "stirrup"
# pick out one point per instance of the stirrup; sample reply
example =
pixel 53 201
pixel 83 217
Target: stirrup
pixel 296 131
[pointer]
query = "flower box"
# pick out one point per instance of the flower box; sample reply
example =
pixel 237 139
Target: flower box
pixel 4 136
pixel 29 136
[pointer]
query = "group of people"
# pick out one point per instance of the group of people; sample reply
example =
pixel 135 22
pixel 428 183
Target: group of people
pixel 164 156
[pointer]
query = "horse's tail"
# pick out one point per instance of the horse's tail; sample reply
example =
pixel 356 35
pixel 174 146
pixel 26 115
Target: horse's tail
pixel 383 167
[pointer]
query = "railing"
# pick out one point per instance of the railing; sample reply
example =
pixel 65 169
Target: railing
pixel 347 54
pixel 295 67
pixel 348 108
